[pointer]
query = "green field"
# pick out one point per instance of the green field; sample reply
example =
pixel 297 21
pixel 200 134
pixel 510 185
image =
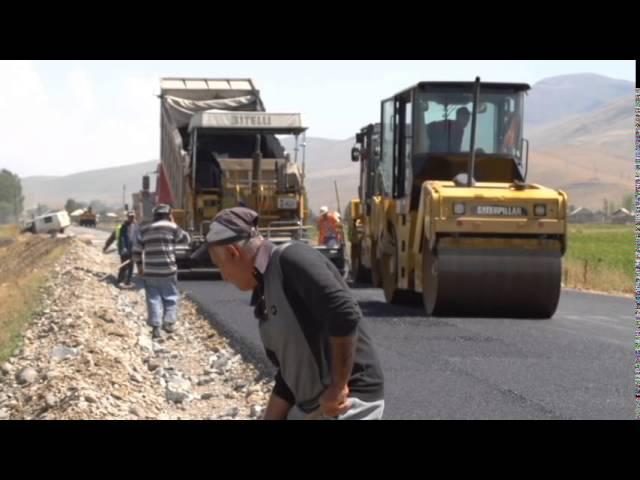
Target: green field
pixel 601 257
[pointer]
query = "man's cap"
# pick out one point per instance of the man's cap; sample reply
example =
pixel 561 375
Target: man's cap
pixel 232 225
pixel 162 209
pixel 229 226
pixel 324 209
pixel 131 213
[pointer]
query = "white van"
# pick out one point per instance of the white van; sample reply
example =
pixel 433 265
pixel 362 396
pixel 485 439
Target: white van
pixel 50 222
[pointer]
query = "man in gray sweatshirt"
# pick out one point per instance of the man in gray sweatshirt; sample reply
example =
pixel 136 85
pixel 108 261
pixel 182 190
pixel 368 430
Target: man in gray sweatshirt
pixel 310 324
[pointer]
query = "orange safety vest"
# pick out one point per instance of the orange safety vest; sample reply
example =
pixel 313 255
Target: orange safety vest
pixel 510 137
pixel 328 226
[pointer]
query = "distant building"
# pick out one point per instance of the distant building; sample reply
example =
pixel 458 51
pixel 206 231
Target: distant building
pixel 76 213
pixel 581 215
pixel 622 216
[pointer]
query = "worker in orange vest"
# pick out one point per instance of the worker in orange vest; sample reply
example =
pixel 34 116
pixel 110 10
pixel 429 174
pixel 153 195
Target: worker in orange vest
pixel 329 228
pixel 510 138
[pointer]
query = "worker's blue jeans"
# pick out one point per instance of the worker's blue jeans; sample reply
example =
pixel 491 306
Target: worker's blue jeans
pixel 162 300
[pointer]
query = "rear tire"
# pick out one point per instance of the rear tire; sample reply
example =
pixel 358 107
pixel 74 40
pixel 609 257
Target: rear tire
pixel 429 280
pixel 376 275
pixel 389 270
pixel 359 272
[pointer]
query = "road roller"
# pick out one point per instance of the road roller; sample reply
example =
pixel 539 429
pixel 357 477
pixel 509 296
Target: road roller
pixel 449 218
pixel 364 266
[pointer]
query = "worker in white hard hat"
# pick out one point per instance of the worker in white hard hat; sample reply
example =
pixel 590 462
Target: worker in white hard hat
pixel 328 228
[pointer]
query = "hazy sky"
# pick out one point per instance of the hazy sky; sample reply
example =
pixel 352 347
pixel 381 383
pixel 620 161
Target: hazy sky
pixel 61 117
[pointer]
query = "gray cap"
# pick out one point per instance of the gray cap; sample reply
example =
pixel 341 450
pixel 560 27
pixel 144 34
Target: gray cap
pixel 162 209
pixel 229 226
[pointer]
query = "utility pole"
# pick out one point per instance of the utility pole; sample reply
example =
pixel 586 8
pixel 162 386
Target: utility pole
pixel 17 197
pixel 335 183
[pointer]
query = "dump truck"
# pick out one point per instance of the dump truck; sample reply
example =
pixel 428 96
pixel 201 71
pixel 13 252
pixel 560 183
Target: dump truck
pixel 219 149
pixel 87 218
pixel 453 219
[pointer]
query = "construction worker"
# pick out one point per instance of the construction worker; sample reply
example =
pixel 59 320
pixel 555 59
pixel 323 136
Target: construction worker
pixel 157 241
pixel 123 236
pixel 134 233
pixel 329 229
pixel 310 324
pixel 511 135
pixel 446 135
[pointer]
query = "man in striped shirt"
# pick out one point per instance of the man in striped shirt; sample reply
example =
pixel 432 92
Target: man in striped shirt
pixel 156 242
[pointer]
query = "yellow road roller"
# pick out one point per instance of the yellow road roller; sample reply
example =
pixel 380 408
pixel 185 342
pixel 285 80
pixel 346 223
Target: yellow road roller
pixel 364 265
pixel 449 216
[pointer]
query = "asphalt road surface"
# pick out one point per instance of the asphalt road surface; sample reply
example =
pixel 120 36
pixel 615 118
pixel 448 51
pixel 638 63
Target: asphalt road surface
pixel 578 365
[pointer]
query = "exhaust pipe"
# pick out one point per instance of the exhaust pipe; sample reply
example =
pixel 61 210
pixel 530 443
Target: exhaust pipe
pixel 256 174
pixel 474 116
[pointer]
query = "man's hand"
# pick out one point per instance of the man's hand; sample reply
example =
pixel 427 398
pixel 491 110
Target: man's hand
pixel 334 401
pixel 140 270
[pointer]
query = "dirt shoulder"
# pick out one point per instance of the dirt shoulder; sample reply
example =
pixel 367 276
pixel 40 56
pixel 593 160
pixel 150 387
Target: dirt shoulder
pixel 88 354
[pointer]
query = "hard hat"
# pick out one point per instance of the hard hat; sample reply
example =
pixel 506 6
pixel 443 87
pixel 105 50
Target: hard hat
pixel 324 209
